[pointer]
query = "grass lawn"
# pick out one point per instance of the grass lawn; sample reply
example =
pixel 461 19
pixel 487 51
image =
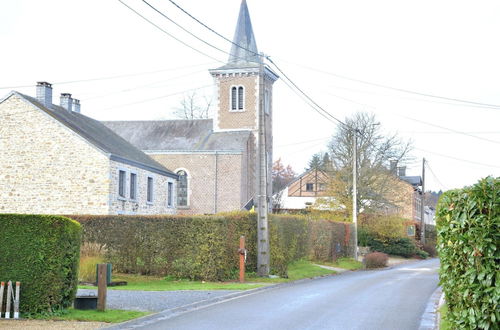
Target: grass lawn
pixel 109 316
pixel 297 270
pixel 443 322
pixel 346 263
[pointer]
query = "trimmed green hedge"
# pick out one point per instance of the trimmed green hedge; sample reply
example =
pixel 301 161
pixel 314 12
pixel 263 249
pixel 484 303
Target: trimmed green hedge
pixel 205 247
pixel 468 230
pixel 42 252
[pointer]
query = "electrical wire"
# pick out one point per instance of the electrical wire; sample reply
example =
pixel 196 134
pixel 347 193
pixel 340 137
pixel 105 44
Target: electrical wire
pixel 458 159
pixel 169 34
pixel 434 175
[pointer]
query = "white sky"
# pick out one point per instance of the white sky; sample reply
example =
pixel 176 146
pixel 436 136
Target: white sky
pixel 447 48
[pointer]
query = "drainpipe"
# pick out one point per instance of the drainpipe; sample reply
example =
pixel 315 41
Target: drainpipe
pixel 215 183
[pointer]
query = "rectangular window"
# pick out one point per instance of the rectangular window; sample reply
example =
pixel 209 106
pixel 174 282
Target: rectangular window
pixel 121 183
pixel 322 187
pixel 133 186
pixel 169 194
pixel 309 186
pixel 150 190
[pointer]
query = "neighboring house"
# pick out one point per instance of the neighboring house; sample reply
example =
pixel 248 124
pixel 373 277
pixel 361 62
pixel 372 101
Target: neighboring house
pixel 303 192
pixel 216 159
pixel 429 215
pixel 54 160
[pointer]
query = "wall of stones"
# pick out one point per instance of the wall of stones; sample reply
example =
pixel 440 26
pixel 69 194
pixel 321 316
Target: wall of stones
pixel 45 167
pixel 140 205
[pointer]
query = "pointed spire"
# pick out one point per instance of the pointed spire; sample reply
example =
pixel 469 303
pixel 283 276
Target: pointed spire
pixel 246 54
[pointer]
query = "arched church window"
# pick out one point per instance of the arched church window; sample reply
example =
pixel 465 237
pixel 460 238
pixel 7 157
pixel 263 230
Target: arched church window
pixel 234 97
pixel 240 98
pixel 182 189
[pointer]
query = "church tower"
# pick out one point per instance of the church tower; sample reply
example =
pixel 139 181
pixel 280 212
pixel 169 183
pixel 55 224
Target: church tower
pixel 243 85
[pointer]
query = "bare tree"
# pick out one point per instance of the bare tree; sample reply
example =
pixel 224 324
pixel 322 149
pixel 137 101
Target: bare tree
pixel 378 188
pixel 192 108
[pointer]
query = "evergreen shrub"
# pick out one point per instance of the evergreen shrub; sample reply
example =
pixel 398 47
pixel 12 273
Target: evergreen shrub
pixel 468 230
pixel 205 247
pixel 41 252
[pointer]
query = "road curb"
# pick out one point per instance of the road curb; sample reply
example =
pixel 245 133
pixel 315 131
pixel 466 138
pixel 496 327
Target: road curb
pixel 429 320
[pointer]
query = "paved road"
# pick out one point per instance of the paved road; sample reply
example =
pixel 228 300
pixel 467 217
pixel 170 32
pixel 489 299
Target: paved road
pixel 385 299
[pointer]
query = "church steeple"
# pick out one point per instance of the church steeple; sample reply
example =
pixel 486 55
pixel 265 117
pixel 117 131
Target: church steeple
pixel 246 54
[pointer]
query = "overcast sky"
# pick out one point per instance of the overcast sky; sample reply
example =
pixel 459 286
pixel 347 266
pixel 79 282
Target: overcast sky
pixel 444 48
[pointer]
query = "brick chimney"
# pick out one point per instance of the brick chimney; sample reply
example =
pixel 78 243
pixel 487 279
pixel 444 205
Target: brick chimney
pixel 394 165
pixel 66 101
pixel 402 171
pixel 44 93
pixel 76 105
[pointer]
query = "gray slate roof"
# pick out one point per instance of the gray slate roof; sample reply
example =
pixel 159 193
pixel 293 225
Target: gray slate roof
pixel 178 135
pixel 101 137
pixel 246 54
pixel 413 180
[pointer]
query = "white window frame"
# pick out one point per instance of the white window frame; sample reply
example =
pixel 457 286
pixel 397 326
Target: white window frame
pixel 120 197
pixel 150 201
pixel 135 185
pixel 237 98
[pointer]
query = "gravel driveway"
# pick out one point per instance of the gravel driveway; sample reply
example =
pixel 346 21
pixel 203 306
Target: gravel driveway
pixel 155 301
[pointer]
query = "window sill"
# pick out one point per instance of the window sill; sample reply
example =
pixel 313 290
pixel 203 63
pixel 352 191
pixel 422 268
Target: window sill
pixel 123 199
pixel 237 110
pixel 183 207
pixel 149 203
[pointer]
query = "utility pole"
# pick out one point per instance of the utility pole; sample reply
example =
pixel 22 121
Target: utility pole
pixel 355 190
pixel 422 207
pixel 263 251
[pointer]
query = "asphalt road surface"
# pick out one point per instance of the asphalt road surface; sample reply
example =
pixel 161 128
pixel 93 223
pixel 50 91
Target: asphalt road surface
pixel 384 299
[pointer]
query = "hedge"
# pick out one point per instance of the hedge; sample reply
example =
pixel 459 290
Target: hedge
pixel 468 222
pixel 205 247
pixel 41 252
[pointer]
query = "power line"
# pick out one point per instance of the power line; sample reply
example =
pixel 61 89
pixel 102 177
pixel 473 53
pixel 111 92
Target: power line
pixel 434 175
pixel 169 34
pixel 449 129
pixel 111 77
pixel 402 90
pixel 459 159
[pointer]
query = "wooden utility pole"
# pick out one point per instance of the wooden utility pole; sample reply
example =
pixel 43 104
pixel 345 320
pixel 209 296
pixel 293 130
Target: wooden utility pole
pixel 102 286
pixel 422 206
pixel 263 252
pixel 355 190
pixel 243 255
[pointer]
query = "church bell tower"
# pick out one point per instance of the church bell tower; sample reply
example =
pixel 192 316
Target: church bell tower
pixel 244 85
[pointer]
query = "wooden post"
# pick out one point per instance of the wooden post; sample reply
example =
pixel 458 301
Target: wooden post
pixel 9 297
pixel 102 270
pixel 242 253
pixel 16 300
pixel 2 286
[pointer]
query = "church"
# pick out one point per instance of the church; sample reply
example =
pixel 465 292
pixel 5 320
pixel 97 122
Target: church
pixel 216 160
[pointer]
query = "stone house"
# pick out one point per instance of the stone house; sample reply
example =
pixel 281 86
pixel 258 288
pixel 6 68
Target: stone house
pixel 54 160
pixel 216 159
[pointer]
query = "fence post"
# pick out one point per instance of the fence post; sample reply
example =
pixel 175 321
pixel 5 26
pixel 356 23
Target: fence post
pixel 102 270
pixel 16 300
pixel 242 253
pixel 9 296
pixel 2 285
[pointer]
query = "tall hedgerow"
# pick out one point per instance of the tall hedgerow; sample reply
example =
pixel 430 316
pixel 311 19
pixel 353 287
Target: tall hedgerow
pixel 468 229
pixel 41 252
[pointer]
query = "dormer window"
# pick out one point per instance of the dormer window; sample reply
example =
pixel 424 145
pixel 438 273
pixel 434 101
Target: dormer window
pixel 237 98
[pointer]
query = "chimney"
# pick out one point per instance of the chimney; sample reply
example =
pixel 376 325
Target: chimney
pixel 393 168
pixel 76 105
pixel 402 171
pixel 44 93
pixel 66 101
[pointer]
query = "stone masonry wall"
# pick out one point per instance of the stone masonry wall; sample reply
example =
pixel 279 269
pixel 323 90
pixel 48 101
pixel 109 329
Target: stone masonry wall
pixel 46 168
pixel 200 168
pixel 140 205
